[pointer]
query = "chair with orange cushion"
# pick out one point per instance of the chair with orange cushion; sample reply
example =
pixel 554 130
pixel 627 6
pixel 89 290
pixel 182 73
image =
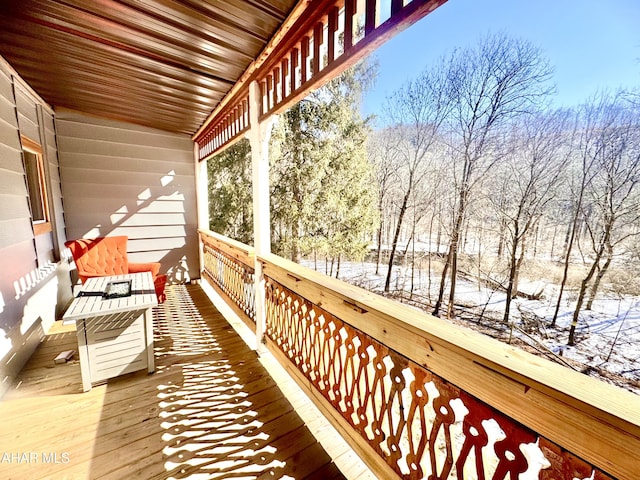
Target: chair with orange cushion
pixel 103 256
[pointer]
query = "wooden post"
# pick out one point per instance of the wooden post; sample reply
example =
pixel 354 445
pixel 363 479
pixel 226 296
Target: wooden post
pixel 202 200
pixel 259 135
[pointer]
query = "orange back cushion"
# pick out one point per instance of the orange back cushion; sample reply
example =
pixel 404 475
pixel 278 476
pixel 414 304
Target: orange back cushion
pixel 100 256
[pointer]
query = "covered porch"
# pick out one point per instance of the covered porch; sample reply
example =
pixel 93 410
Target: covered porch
pixel 212 409
pixel 411 395
pixel 345 384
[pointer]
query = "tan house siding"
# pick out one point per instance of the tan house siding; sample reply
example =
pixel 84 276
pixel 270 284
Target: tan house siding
pixel 27 114
pixel 34 287
pixel 123 179
pixel 50 149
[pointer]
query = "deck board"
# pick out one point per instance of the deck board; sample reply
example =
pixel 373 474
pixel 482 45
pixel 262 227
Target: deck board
pixel 211 410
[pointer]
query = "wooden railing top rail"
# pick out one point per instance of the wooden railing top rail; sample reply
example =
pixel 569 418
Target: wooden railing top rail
pixel 596 421
pixel 239 251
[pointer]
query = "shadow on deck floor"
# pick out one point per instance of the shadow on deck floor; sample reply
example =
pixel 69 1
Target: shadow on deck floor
pixel 211 410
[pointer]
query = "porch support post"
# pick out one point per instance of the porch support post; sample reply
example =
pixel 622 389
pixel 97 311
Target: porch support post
pixel 259 135
pixel 202 201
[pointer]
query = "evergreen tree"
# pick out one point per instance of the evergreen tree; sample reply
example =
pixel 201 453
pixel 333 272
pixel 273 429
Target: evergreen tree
pixel 323 196
pixel 230 209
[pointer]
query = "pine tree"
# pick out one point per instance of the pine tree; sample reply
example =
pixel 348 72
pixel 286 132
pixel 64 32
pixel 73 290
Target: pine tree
pixel 230 209
pixel 323 196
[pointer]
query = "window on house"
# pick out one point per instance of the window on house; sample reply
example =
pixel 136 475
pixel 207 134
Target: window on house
pixel 36 185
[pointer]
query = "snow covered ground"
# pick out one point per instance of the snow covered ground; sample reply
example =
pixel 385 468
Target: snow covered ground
pixel 607 339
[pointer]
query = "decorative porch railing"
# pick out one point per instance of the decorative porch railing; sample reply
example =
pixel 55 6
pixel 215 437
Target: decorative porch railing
pixel 229 267
pixel 417 397
pixel 320 40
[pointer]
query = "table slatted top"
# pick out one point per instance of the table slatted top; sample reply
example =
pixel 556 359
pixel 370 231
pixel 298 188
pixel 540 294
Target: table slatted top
pixel 90 302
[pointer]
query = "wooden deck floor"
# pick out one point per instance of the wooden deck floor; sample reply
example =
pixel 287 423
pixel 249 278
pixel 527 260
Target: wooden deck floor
pixel 211 410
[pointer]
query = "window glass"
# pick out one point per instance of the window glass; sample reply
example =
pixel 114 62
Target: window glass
pixel 34 182
pixel 34 170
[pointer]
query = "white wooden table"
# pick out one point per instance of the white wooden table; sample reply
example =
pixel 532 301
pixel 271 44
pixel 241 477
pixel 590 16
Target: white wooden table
pixel 115 336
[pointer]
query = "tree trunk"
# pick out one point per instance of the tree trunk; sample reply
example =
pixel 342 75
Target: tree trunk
pixel 454 279
pixel 379 254
pixel 406 248
pixel 596 282
pixel 584 284
pixel 465 236
pixel 338 265
pixel 413 257
pixel 443 281
pixel 452 261
pixel 429 259
pixel 455 237
pixel 513 267
pixel 295 238
pixel 520 259
pixel 569 239
pixel 553 241
pixel 479 265
pixel 576 312
pixel 572 228
pixel 503 227
pixel 387 241
pixel 394 245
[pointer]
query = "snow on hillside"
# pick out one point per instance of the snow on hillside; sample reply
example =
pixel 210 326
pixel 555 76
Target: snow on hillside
pixel 608 336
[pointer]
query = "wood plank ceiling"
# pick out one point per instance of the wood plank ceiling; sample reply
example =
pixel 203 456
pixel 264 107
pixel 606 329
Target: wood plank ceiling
pixel 159 63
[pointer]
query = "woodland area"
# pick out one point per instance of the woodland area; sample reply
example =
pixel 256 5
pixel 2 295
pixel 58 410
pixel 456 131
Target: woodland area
pixel 474 177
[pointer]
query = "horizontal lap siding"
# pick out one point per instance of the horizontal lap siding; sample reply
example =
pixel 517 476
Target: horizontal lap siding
pixel 121 164
pixel 8 128
pixel 27 115
pixel 92 204
pixel 12 186
pixel 15 222
pixel 30 289
pixel 50 147
pixel 122 179
pixel 7 112
pixel 10 160
pixel 30 124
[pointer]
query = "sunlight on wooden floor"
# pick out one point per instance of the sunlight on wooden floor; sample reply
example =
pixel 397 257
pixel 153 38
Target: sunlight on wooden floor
pixel 211 410
pixel 226 417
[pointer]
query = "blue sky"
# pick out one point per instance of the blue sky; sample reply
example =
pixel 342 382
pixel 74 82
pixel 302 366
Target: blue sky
pixel 591 44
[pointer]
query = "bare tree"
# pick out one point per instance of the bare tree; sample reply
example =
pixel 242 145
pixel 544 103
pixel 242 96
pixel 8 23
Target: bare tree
pixel 416 111
pixel 615 151
pixel 490 85
pixel 532 170
pixel 385 163
pixel 422 198
pixel 578 183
